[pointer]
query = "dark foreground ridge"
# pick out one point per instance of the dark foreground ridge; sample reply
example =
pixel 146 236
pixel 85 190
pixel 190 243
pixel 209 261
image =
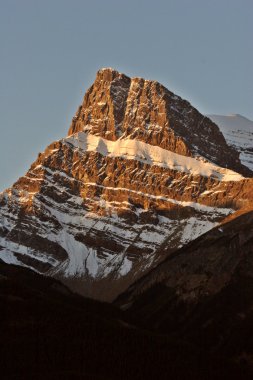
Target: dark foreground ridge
pixel 203 294
pixel 47 332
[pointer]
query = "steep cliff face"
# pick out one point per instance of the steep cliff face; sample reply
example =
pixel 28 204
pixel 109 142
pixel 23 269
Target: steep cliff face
pixel 137 177
pixel 116 106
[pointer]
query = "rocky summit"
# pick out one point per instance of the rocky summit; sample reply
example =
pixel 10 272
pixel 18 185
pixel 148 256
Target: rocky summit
pixel 140 174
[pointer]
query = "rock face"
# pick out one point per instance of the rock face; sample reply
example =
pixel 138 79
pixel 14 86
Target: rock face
pixel 140 174
pixel 238 132
pixel 116 106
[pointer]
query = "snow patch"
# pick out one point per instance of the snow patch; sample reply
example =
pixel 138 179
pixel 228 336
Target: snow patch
pixel 151 155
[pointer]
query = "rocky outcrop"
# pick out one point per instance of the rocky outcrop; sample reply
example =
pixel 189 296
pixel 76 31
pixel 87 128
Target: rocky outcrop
pixel 117 106
pixel 127 187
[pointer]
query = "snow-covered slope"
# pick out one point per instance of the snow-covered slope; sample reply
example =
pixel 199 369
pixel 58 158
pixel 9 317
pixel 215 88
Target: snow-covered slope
pixel 152 155
pixel 140 174
pixel 238 132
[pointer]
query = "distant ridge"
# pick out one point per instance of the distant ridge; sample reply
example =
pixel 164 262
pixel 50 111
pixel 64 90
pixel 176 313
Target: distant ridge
pixel 238 132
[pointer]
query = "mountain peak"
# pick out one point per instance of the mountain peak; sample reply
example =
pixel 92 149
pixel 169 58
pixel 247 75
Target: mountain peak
pixel 107 69
pixel 108 74
pixel 137 177
pixel 117 106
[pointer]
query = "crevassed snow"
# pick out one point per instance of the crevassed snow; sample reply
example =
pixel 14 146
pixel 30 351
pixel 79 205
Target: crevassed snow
pixel 150 154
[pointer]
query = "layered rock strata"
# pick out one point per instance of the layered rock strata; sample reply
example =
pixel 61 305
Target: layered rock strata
pixel 140 174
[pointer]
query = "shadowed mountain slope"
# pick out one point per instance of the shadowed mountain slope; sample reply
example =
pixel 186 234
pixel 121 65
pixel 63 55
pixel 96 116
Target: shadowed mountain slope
pixel 49 333
pixel 203 293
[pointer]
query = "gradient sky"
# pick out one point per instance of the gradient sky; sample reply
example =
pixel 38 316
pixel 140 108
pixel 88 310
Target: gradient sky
pixel 50 51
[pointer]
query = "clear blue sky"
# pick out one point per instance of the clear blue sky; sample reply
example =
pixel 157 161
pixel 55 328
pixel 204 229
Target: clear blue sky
pixel 50 51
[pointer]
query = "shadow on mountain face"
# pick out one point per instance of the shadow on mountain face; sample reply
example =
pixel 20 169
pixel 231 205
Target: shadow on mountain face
pixel 47 332
pixel 204 295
